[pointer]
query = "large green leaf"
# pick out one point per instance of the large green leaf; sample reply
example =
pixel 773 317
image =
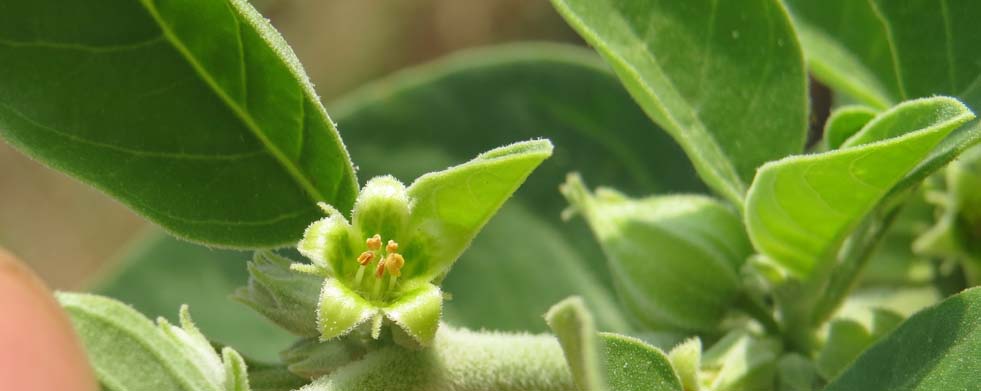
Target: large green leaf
pixel 881 51
pixel 936 349
pixel 725 78
pixel 801 208
pixel 427 118
pixel 195 113
pixel 160 273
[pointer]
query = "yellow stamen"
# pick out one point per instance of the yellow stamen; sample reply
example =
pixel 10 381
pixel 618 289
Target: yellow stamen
pixel 374 243
pixel 365 257
pixel 392 246
pixel 380 271
pixel 394 263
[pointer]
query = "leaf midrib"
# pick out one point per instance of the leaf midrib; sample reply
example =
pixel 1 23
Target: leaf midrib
pixel 294 171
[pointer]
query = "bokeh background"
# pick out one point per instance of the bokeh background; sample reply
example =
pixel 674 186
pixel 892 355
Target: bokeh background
pixel 72 235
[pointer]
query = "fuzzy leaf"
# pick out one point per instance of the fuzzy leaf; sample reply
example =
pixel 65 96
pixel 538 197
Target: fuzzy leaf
pixel 674 259
pixel 195 113
pixel 573 326
pixel 801 208
pixel 451 206
pixel 633 365
pixel 459 360
pixel 936 349
pixel 725 79
pixel 128 353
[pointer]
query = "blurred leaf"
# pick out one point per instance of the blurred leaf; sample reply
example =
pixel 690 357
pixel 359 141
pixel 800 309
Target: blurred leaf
pixel 845 122
pixel 674 258
pixel 726 79
pixel 882 52
pixel 741 361
pixel 800 209
pixel 936 349
pixel 195 113
pixel 160 273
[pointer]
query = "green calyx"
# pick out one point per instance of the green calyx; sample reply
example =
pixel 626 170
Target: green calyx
pixel 383 266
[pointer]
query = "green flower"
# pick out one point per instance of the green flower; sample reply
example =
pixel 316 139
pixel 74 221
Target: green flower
pixel 384 265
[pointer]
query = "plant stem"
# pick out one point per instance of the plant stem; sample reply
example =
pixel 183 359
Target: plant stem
pixel 855 257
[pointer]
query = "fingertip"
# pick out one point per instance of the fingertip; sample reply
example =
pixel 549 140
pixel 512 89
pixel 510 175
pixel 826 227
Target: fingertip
pixel 38 347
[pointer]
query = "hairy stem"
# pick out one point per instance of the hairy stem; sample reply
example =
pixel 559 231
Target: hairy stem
pixel 459 360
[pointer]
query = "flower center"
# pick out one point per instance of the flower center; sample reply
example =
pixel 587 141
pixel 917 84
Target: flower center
pixel 389 261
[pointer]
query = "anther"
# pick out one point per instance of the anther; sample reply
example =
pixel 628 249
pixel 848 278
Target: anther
pixel 365 257
pixel 394 263
pixel 374 243
pixel 392 246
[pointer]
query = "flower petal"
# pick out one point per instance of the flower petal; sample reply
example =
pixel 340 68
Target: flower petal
pixel 327 243
pixel 340 310
pixel 418 312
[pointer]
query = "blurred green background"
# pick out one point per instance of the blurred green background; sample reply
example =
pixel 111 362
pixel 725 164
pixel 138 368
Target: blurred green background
pixel 72 235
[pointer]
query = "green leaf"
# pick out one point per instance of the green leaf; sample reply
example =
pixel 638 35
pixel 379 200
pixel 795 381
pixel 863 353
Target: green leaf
pixel 847 47
pixel 845 122
pixel 452 206
pixel 741 361
pixel 196 114
pixel 847 338
pixel 128 353
pixel 159 273
pixel 633 365
pixel 674 259
pixel 800 209
pixel 510 274
pixel 725 79
pixel 459 360
pixel 882 52
pixel 936 349
pixel 573 326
